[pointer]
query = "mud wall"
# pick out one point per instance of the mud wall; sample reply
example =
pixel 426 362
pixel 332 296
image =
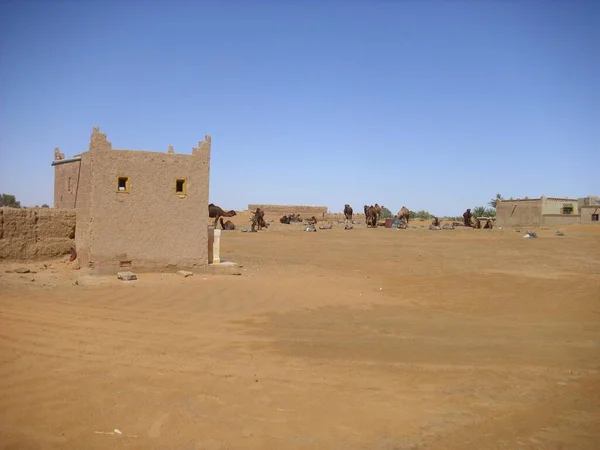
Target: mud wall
pixel 280 210
pixel 36 233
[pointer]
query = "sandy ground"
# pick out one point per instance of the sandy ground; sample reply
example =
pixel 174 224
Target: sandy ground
pixel 361 339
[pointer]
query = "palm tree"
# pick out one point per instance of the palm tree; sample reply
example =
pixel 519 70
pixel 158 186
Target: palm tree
pixel 479 211
pixel 494 201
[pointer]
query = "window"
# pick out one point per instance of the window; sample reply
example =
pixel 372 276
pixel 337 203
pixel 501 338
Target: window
pixel 180 186
pixel 123 184
pixel 594 217
pixel 567 209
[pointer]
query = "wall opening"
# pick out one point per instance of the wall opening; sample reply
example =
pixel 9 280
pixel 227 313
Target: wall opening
pixel 123 184
pixel 567 209
pixel 69 185
pixel 180 186
pixel 595 217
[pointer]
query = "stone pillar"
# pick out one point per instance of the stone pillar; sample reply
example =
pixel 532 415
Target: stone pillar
pixel 216 259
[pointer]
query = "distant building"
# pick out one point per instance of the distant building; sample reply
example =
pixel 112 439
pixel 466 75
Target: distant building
pixel 136 210
pixel 589 210
pixel 547 211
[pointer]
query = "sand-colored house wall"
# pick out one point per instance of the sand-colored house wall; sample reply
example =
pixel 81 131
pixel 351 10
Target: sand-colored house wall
pixel 587 213
pixel 554 206
pixel 150 227
pixel 519 213
pixel 552 220
pixel 66 180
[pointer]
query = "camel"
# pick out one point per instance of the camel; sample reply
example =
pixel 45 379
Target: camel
pixel 403 214
pixel 227 225
pixel 312 220
pixel 258 220
pixel 433 227
pixel 378 211
pixel 488 224
pixel 285 219
pixel 371 216
pixel 448 226
pixel 216 212
pixel 348 212
pixel 366 215
pixel 467 218
pixel 329 226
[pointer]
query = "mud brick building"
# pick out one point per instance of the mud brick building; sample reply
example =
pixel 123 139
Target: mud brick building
pixel 136 210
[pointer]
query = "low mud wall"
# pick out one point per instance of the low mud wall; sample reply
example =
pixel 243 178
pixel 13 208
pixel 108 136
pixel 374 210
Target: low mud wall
pixel 36 233
pixel 304 211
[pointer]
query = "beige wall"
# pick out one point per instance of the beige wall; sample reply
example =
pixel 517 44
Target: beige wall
pixel 519 213
pixel 550 220
pixel 36 233
pixel 150 226
pixel 66 178
pixel 555 205
pixel 586 214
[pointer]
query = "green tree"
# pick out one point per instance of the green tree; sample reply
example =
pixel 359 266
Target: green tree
pixel 386 213
pixel 9 200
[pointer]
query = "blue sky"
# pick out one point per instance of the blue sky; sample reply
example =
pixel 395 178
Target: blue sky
pixel 435 105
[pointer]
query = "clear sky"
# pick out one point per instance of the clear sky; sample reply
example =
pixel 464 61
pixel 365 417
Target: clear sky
pixel 435 105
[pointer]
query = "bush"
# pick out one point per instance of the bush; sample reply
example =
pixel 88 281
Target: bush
pixel 423 215
pixel 386 213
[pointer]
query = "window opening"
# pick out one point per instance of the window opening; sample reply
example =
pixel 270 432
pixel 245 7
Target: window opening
pixel 123 184
pixel 567 209
pixel 180 186
pixel 594 217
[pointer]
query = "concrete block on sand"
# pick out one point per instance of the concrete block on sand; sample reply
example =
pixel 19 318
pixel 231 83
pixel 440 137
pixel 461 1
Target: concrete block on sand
pixel 185 273
pixel 223 268
pixel 126 276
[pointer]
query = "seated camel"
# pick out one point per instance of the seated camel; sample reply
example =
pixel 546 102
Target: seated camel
pixel 448 226
pixel 329 226
pixel 227 225
pixel 312 220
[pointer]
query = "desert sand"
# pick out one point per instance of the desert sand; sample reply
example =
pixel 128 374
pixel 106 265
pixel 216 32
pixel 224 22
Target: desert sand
pixel 359 339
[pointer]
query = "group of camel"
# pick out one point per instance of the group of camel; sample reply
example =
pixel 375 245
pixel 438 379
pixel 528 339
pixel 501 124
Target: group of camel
pixel 372 215
pixel 217 213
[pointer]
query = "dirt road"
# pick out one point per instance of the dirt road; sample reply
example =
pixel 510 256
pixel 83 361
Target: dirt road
pixel 360 339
